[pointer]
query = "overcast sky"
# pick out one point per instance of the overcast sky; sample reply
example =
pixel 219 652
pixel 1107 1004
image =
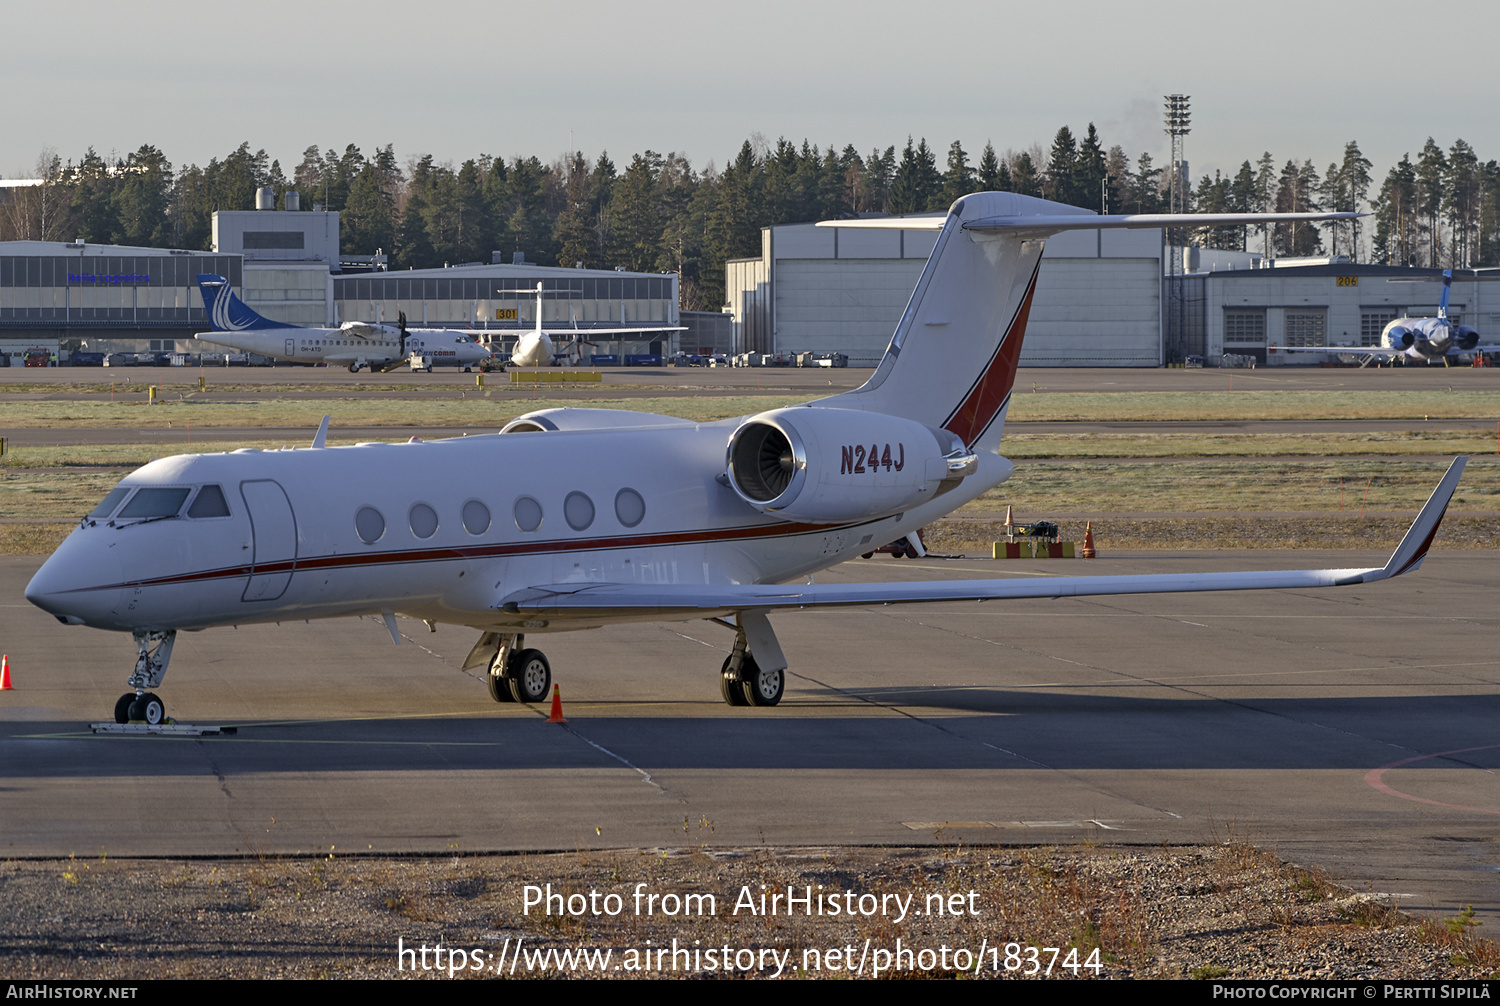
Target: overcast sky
pixel 459 78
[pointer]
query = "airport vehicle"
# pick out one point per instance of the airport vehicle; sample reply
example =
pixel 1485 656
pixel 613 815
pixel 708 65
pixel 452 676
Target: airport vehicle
pixel 538 347
pixel 653 518
pixel 356 344
pixel 1414 340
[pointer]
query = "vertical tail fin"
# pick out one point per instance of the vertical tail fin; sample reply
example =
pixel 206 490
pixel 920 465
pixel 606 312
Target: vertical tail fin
pixel 1447 289
pixel 226 312
pixel 952 361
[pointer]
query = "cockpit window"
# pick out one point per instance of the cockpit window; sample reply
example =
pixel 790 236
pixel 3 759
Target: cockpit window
pixel 209 502
pixel 154 503
pixel 107 504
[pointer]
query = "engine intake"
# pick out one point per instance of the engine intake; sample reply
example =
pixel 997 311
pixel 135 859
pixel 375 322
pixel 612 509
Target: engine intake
pixel 826 466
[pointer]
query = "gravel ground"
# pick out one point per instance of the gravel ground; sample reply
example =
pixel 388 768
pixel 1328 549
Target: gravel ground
pixel 1226 911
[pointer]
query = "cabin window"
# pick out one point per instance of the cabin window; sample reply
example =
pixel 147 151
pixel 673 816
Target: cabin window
pixel 578 510
pixel 629 507
pixel 528 514
pixel 476 517
pixel 369 525
pixel 423 520
pixel 154 503
pixel 107 504
pixel 209 502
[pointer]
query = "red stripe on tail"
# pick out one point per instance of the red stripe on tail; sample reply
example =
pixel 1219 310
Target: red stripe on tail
pixel 988 395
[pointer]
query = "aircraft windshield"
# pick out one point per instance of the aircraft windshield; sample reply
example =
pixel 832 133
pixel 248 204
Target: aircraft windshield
pixel 107 504
pixel 154 503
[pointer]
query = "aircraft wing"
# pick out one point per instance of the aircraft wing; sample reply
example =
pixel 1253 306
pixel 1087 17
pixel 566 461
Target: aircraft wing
pixel 693 600
pixel 365 330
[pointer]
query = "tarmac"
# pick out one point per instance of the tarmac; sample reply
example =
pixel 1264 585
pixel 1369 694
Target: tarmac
pixel 1351 729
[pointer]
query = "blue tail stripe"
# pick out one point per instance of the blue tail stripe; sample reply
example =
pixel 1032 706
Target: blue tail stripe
pixel 226 312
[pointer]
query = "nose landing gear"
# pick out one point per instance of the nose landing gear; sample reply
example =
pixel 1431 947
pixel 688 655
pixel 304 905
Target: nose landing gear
pixel 142 706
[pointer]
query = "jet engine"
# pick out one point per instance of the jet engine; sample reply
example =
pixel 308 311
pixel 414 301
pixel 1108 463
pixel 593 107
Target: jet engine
pixel 1467 338
pixel 827 466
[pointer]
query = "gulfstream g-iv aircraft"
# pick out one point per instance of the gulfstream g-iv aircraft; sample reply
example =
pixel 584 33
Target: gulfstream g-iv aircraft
pixel 355 344
pixel 654 518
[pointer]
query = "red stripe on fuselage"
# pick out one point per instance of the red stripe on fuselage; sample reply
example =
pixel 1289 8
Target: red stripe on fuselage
pixel 989 393
pixel 354 560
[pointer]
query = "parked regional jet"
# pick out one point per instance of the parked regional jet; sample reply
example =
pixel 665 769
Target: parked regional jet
pixel 1416 340
pixel 652 519
pixel 356 344
pixel 538 348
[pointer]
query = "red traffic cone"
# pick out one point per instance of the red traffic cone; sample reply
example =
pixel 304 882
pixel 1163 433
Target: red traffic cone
pixel 557 716
pixel 5 673
pixel 1088 541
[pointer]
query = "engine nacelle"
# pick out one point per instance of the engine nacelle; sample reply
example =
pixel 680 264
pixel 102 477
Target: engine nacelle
pixel 1467 338
pixel 827 466
pixel 1399 337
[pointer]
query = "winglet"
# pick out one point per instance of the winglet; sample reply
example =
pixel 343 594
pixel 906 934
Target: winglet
pixel 1413 548
pixel 321 439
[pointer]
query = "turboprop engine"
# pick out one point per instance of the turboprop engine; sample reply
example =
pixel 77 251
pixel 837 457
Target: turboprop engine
pixel 826 466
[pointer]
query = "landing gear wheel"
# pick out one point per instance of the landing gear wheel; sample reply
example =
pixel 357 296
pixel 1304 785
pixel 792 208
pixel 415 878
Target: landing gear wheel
pixel 353 368
pixel 867 555
pixel 762 688
pixel 122 707
pixel 148 709
pixel 731 688
pixel 500 689
pixel 530 677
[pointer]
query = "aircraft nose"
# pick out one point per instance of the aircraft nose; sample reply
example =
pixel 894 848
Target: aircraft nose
pixel 76 588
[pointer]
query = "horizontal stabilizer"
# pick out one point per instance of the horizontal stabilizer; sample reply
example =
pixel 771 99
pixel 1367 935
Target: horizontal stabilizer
pixel 1042 225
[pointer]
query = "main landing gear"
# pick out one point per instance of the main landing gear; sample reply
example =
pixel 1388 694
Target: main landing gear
pixel 142 706
pixel 745 680
pixel 515 674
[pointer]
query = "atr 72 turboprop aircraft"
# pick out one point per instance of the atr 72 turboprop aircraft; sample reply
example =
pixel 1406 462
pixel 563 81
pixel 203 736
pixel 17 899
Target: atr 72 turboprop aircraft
pixel 653 519
pixel 536 348
pixel 356 344
pixel 1417 340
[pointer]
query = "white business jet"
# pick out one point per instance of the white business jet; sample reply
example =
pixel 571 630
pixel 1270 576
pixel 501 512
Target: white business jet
pixel 653 518
pixel 538 347
pixel 355 344
pixel 1414 340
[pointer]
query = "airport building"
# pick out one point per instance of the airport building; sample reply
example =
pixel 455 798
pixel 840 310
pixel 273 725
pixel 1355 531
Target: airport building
pixel 1098 300
pixel 70 297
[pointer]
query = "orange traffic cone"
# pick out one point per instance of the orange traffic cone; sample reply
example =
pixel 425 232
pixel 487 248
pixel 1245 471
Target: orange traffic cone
pixel 1088 541
pixel 5 673
pixel 557 716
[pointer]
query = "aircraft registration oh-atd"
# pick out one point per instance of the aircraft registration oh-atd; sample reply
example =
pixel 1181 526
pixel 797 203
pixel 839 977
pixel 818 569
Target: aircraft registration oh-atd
pixel 653 518
pixel 356 344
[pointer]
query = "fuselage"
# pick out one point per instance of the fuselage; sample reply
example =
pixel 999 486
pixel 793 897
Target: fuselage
pixel 371 345
pixel 1429 338
pixel 443 530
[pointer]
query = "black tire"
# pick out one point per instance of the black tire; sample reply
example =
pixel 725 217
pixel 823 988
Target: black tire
pixel 867 555
pixel 731 689
pixel 122 707
pixel 762 688
pixel 530 677
pixel 148 709
pixel 500 688
pixel 353 368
